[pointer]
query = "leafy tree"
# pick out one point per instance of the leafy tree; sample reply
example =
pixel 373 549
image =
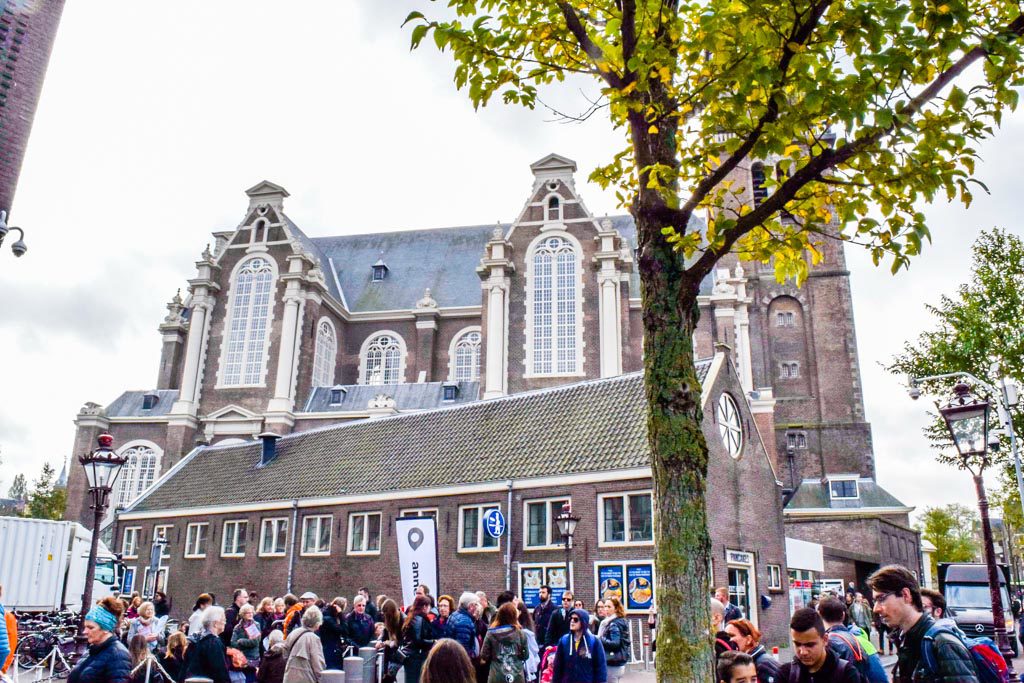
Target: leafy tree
pixel 853 103
pixel 45 501
pixel 950 528
pixel 19 489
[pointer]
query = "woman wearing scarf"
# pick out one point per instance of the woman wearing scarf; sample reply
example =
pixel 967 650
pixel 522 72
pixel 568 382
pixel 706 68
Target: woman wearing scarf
pixel 580 656
pixel 108 660
pixel 146 625
pixel 614 636
pixel 246 638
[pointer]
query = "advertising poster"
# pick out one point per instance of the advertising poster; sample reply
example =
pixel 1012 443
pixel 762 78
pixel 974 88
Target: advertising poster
pixel 417 554
pixel 609 581
pixel 531 580
pixel 556 581
pixel 639 586
pixel 128 580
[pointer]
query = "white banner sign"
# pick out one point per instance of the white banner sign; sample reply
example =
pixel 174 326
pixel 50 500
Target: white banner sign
pixel 417 555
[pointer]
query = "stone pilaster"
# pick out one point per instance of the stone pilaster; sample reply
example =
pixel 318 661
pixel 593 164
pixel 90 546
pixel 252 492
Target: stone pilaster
pixel 203 288
pixel 174 332
pixel 495 270
pixel 427 315
pixel 612 263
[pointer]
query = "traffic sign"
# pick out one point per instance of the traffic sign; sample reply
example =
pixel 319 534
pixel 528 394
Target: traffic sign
pixel 494 523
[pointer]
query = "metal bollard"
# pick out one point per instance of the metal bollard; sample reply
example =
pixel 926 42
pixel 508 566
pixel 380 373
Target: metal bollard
pixel 369 657
pixel 332 676
pixel 198 679
pixel 353 669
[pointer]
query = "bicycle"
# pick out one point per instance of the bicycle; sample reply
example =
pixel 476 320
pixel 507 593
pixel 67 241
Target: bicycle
pixel 51 649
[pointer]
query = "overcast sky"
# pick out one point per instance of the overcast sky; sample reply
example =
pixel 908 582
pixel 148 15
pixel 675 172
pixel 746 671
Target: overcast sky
pixel 155 117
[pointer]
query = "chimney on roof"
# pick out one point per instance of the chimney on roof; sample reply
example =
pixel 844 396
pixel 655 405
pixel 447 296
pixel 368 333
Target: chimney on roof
pixel 269 452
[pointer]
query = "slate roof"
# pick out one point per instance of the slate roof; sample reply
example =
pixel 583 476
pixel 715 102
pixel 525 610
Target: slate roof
pixel 421 396
pixel 441 259
pixel 598 425
pixel 813 494
pixel 129 404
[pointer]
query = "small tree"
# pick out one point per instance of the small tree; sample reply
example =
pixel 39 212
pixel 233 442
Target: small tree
pixel 853 103
pixel 950 528
pixel 45 501
pixel 19 488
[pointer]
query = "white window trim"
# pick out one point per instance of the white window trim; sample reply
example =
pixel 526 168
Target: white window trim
pixel 856 486
pixel 451 351
pixel 552 526
pixel 775 580
pixel 380 530
pixel 136 535
pixel 116 494
pixel 330 536
pixel 166 553
pixel 418 512
pixel 561 208
pixel 601 543
pixel 269 522
pixel 580 344
pixel 403 352
pixel 317 352
pixel 188 538
pixel 229 314
pixel 783 369
pixel 480 532
pixel 224 536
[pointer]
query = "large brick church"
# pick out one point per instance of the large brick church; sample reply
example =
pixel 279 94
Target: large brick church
pixel 285 333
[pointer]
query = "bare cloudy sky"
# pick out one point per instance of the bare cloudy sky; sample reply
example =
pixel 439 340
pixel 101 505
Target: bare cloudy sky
pixel 156 117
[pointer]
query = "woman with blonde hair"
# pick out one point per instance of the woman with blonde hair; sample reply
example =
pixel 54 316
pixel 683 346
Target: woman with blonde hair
pixel 747 638
pixel 448 663
pixel 147 625
pixel 614 636
pixel 174 659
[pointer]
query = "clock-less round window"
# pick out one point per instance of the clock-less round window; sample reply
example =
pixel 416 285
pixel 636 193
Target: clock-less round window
pixel 730 425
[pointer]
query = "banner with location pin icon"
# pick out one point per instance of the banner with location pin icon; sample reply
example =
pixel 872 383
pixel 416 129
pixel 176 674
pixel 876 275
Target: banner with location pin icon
pixel 417 555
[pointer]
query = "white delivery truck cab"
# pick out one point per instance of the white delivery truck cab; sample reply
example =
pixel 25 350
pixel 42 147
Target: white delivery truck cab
pixel 43 565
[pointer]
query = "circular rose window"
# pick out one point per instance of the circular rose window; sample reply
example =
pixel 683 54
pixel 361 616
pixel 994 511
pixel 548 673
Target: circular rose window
pixel 730 425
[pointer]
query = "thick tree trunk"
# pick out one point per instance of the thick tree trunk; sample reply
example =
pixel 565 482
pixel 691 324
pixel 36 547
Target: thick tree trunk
pixel 679 459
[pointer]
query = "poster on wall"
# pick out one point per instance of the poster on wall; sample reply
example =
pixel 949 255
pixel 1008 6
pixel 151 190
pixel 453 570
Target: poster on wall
pixel 530 581
pixel 609 581
pixel 556 582
pixel 128 580
pixel 639 586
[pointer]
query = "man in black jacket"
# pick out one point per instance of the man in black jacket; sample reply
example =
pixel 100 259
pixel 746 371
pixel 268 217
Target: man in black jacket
pixel 241 597
pixel 814 661
pixel 542 614
pixel 559 624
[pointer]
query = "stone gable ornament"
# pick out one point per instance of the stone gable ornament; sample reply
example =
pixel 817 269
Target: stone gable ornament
pixel 497 234
pixel 91 408
pixel 381 401
pixel 427 301
pixel 175 309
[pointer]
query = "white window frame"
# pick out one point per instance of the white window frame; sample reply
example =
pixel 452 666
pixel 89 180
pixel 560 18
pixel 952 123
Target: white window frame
pixel 531 279
pixel 601 497
pixel 273 523
pixel 236 523
pixel 419 512
pixel 480 533
pixel 364 373
pixel 775 577
pixel 856 487
pixel 131 477
pixel 330 535
pixel 561 208
pixel 453 350
pixel 222 370
pixel 165 531
pixel 366 525
pixel 785 319
pixel 325 359
pixel 192 546
pixel 130 551
pixel 553 537
pixel 789 369
pixel 729 420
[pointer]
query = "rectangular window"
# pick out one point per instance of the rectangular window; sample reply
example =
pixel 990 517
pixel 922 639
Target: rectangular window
pixel 232 543
pixel 541 528
pixel 472 535
pixel 364 533
pixel 164 531
pixel 130 542
pixel 274 537
pixel 843 489
pixel 419 512
pixel 626 518
pixel 316 535
pixel 195 540
pixel 774 577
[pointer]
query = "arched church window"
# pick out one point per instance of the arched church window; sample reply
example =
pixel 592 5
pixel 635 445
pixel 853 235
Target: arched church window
pixel 383 360
pixel 137 475
pixel 325 354
pixel 250 322
pixel 466 363
pixel 555 295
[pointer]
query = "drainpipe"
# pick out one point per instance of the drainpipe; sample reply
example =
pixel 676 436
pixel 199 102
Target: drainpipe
pixel 291 551
pixel 508 541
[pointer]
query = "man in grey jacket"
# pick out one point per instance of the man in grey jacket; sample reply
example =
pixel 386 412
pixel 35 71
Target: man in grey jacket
pixel 897 599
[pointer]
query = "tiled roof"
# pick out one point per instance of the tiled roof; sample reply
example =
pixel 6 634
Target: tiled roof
pixel 598 425
pixel 129 404
pixel 420 396
pixel 814 495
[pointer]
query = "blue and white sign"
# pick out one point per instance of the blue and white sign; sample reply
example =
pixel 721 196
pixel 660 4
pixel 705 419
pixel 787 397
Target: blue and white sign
pixel 494 523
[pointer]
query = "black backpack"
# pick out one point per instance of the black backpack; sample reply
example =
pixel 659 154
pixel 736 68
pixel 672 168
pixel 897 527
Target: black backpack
pixel 841 666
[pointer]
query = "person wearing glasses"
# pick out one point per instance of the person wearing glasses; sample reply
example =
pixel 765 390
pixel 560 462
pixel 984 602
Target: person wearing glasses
pixel 898 603
pixel 559 624
pixel 580 657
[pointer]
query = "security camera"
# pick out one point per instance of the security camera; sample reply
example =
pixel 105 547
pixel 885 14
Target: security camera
pixel 993 440
pixel 19 248
pixel 914 392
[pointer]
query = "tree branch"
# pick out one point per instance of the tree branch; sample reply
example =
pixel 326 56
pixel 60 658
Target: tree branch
pixel 628 37
pixel 579 31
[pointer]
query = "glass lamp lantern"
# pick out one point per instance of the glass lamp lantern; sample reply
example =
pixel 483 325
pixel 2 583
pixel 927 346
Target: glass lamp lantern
pixel 102 465
pixel 567 522
pixel 966 417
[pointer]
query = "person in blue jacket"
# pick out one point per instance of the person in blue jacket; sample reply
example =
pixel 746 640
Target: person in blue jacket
pixel 108 660
pixel 580 657
pixel 5 648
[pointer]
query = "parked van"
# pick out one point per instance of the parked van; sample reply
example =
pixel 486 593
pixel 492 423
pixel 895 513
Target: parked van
pixel 965 587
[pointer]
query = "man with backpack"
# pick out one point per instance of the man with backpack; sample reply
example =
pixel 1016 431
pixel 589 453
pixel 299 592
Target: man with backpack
pixel 850 642
pixel 814 661
pixel 928 653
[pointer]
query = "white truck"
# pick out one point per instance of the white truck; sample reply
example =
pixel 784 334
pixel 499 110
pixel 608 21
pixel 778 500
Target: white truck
pixel 43 565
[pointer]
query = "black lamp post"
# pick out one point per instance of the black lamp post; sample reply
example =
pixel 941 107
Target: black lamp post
pixel 567 527
pixel 966 417
pixel 101 469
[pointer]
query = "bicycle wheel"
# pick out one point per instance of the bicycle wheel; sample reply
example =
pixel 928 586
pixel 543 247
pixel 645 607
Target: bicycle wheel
pixel 31 650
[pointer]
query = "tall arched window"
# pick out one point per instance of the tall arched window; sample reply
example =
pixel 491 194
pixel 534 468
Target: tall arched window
pixel 466 357
pixel 382 362
pixel 757 182
pixel 250 321
pixel 325 354
pixel 554 314
pixel 138 474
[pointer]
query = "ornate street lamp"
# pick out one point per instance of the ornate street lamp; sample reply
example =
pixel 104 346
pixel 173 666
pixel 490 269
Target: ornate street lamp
pixel 19 248
pixel 101 469
pixel 567 527
pixel 966 416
